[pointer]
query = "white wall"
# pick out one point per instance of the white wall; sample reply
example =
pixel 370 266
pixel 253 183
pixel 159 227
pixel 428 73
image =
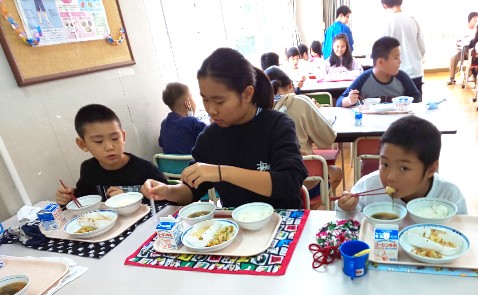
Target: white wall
pixel 36 122
pixel 310 20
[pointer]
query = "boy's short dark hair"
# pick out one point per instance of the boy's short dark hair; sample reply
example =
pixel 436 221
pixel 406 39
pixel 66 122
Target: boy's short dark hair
pixel 472 15
pixel 382 48
pixel 291 52
pixel 173 92
pixel 93 113
pixel 269 59
pixel 415 135
pixel 343 10
pixel 392 3
pixel 303 49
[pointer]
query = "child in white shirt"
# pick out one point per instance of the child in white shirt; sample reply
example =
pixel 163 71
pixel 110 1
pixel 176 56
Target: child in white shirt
pixel 409 153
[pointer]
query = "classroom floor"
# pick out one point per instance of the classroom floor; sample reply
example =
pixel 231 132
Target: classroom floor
pixel 459 154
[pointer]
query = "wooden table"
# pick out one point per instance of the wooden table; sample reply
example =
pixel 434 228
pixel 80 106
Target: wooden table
pixel 109 275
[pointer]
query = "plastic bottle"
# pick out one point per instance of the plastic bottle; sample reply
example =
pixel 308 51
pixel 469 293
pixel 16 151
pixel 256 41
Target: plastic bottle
pixel 358 118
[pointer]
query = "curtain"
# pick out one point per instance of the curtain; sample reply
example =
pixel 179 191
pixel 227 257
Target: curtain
pixel 330 8
pixel 296 37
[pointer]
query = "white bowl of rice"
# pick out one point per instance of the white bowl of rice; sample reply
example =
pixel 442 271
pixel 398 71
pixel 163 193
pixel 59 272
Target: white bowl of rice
pixel 427 210
pixel 125 203
pixel 253 216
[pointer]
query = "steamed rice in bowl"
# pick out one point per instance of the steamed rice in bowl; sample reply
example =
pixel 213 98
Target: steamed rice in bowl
pixel 435 211
pixel 253 216
pixel 428 210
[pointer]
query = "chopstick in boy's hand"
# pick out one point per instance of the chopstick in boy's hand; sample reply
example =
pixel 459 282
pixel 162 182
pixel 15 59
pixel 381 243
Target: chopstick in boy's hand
pixel 365 193
pixel 75 200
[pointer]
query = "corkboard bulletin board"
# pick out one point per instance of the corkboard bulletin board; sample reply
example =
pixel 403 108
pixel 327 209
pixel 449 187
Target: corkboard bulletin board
pixel 45 63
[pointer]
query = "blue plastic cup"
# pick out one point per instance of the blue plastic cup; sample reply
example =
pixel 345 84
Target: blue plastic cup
pixel 354 266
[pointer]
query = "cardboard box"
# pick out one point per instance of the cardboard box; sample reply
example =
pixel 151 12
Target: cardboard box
pixel 51 217
pixel 169 232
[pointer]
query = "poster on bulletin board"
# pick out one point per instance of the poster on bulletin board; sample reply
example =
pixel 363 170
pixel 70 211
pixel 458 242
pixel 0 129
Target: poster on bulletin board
pixel 63 21
pixel 45 40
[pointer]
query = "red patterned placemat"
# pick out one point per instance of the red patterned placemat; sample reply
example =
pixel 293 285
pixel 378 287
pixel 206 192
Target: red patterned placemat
pixel 272 262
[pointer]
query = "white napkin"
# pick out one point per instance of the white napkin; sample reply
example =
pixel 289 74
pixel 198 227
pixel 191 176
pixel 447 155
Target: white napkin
pixel 74 272
pixel 27 214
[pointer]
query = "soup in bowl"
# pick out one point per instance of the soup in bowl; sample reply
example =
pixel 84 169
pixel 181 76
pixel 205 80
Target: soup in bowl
pixel 386 212
pixel 14 284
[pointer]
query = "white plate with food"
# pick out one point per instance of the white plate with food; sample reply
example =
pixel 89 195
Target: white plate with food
pixel 91 224
pixel 210 235
pixel 382 107
pixel 433 243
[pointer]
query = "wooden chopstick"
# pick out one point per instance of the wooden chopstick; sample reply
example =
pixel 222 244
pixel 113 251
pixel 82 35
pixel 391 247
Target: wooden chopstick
pixel 75 200
pixel 365 193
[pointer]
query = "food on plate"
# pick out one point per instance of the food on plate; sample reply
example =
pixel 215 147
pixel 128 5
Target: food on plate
pixel 385 216
pixel 429 240
pixel 437 237
pixel 221 236
pixel 94 219
pixel 198 214
pixel 434 211
pixel 85 229
pixel 390 191
pixel 427 253
pixel 208 235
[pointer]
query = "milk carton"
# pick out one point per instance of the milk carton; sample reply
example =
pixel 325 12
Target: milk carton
pixel 169 232
pixel 386 242
pixel 51 217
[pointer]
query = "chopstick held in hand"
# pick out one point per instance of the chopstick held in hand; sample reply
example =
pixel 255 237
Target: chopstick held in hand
pixel 75 200
pixel 371 192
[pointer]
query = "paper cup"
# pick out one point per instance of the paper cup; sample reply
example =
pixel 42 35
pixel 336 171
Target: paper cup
pixel 354 266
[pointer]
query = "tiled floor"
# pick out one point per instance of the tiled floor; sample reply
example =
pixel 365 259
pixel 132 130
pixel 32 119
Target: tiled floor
pixel 459 155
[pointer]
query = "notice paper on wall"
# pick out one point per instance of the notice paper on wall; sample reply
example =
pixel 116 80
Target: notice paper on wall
pixel 63 21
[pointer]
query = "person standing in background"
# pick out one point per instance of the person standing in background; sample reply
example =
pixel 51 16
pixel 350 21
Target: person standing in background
pixel 406 29
pixel 338 27
pixel 463 40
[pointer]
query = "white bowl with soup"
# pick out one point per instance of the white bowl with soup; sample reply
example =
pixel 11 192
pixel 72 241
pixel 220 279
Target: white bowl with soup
pixel 14 284
pixel 197 212
pixel 385 212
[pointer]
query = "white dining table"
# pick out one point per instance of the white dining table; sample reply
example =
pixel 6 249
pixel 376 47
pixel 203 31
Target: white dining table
pixel 444 118
pixel 313 85
pixel 109 275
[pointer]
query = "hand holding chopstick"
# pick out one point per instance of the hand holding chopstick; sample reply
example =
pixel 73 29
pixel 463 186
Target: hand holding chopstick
pixel 75 200
pixel 371 192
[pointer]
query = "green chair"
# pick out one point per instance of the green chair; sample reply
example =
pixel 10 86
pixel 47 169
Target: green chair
pixel 172 165
pixel 323 98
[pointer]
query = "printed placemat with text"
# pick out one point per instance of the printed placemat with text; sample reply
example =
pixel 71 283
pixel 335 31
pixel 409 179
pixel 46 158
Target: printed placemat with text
pixel 273 261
